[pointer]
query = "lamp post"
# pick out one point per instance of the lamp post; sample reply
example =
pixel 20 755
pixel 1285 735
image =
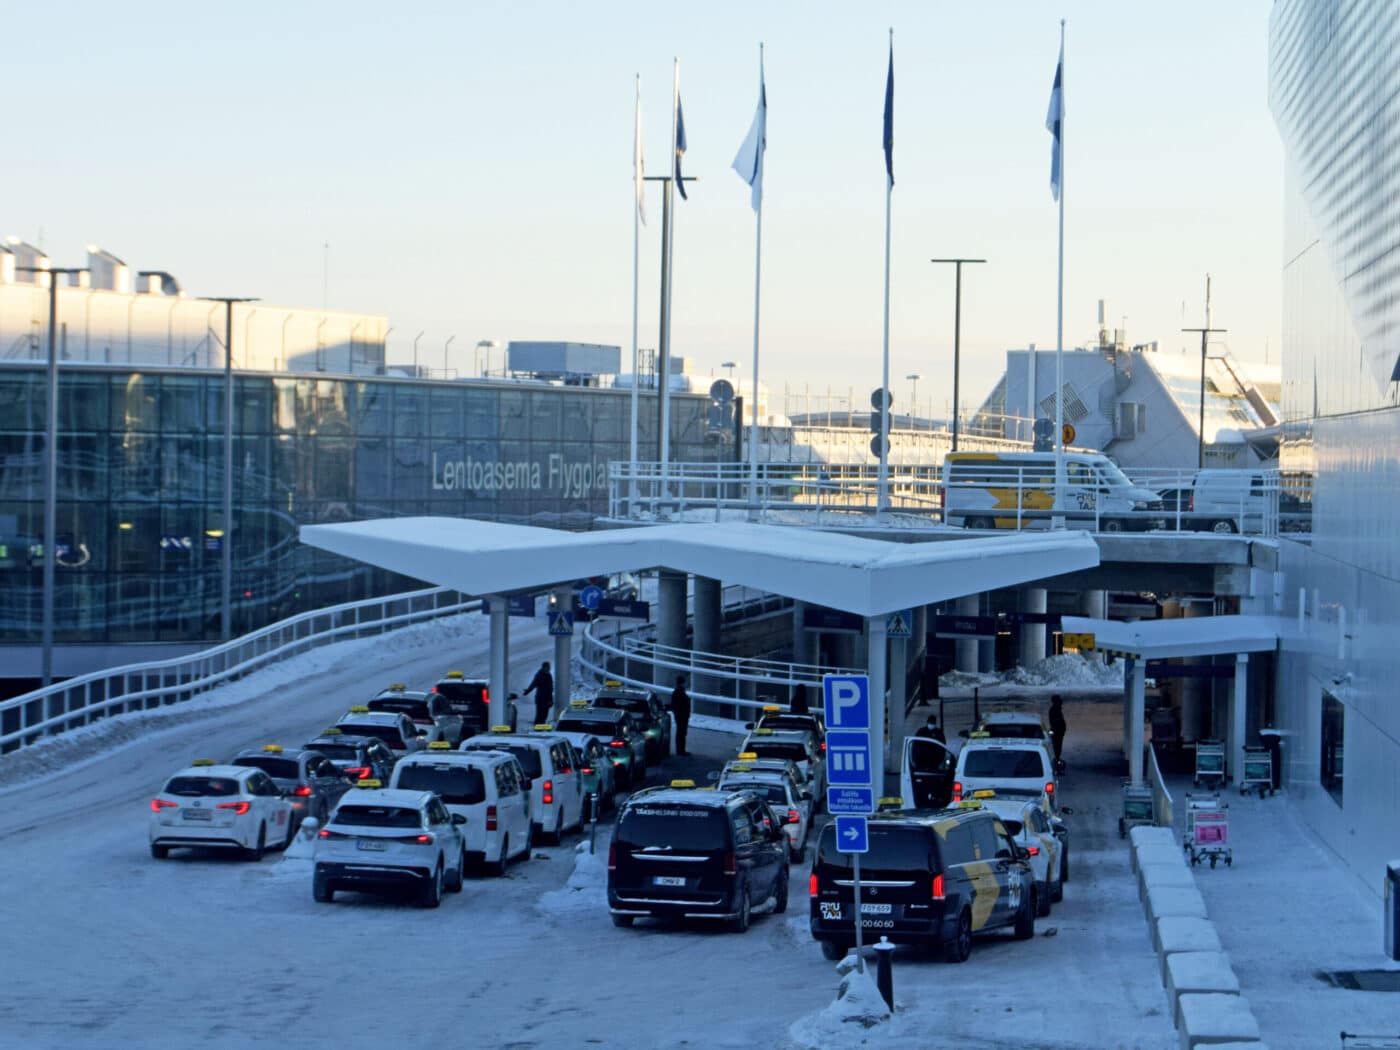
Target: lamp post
pixel 417 337
pixel 283 361
pixel 957 332
pixel 50 468
pixel 445 347
pixel 913 378
pixel 483 344
pixel 226 540
pixel 1201 425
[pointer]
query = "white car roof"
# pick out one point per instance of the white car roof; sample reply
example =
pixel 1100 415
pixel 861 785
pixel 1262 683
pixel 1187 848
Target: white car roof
pixel 754 776
pixel 375 718
pixel 232 772
pixel 463 758
pixel 486 741
pixel 1012 718
pixel 386 797
pixel 580 740
pixel 1014 808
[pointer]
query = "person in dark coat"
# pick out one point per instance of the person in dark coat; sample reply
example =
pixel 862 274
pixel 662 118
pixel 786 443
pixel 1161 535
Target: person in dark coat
pixel 931 730
pixel 680 711
pixel 542 685
pixel 799 701
pixel 1057 726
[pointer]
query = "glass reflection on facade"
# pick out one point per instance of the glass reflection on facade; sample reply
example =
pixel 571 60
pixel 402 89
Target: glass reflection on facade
pixel 140 485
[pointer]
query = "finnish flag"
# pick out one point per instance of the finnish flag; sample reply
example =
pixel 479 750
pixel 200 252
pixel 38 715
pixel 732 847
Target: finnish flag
pixel 748 162
pixel 1054 122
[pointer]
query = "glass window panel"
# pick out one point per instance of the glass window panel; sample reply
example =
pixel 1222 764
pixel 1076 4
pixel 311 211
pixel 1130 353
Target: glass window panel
pixel 252 477
pixel 284 406
pixel 373 471
pixel 374 409
pixel 545 408
pixel 134 466
pixel 134 538
pixel 578 411
pixel 82 403
pixel 135 403
pixel 483 413
pixel 412 469
pixel 81 537
pixel 82 467
pixel 410 411
pixel 253 405
pixel 22 400
pixel 80 608
pixel 447 405
pixel 515 421
pixel 331 477
pixel 22 466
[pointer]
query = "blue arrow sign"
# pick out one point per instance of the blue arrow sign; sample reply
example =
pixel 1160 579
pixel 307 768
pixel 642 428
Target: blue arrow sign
pixel 848 759
pixel 852 835
pixel 846 801
pixel 590 596
pixel 561 623
pixel 847 701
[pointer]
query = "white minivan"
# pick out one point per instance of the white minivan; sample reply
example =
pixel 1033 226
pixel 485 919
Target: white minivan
pixel 1225 500
pixel 487 787
pixel 554 771
pixel 1003 764
pixel 1016 490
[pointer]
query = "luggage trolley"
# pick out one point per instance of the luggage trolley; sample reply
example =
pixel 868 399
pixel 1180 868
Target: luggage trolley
pixel 1210 763
pixel 1258 771
pixel 1208 830
pixel 1137 808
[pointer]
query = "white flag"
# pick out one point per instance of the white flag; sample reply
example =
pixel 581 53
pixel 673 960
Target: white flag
pixel 638 169
pixel 749 160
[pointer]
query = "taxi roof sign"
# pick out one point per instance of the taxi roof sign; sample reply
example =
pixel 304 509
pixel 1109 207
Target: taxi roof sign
pixel 501 729
pixel 763 732
pixel 544 727
pixel 396 687
pixel 578 703
pixel 332 731
pixel 369 783
pixel 273 749
pixel 984 793
pixel 891 802
pixel 739 767
pixel 968 803
pixel 359 709
pixel 980 734
pixel 682 783
pixel 440 745
pixel 202 762
pixel 748 754
pixel 768 708
pixel 613 683
pixel 454 674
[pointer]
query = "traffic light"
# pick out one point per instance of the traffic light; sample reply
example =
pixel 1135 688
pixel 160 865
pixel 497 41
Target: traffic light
pixel 880 425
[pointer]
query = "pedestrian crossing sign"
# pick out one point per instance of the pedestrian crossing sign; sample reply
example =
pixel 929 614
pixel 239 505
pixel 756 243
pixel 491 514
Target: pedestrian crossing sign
pixel 897 624
pixel 561 623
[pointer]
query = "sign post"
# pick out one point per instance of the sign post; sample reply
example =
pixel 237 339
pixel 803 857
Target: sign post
pixel 850 772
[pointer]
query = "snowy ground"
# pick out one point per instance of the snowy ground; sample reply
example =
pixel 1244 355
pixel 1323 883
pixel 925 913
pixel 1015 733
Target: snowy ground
pixel 109 948
pixel 1067 673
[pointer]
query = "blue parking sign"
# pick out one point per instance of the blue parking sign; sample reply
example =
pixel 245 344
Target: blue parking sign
pixel 846 701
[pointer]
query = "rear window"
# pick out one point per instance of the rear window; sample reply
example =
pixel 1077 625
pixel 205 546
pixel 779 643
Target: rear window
pixel 277 768
pixel 794 751
pixel 774 793
pixel 416 709
pixel 461 694
pixel 892 848
pixel 338 752
pixel 201 787
pixel 388 734
pixel 637 705
pixel 378 816
pixel 528 757
pixel 1016 730
pixel 680 827
pixel 459 785
pixel 598 727
pixel 1004 763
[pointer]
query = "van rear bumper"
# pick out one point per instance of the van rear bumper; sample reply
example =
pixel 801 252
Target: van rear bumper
pixel 900 930
pixel 700 906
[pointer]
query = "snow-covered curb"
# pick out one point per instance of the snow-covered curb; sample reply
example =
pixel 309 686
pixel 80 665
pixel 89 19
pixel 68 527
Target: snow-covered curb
pixel 846 1020
pixel 586 889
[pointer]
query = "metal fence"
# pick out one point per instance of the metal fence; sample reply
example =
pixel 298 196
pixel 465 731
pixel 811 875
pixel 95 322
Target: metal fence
pixel 27 718
pixel 1163 813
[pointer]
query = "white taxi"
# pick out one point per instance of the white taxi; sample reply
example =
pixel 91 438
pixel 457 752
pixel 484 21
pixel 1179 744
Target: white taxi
pixel 219 807
pixel 792 806
pixel 394 728
pixel 554 772
pixel 380 840
pixel 1029 826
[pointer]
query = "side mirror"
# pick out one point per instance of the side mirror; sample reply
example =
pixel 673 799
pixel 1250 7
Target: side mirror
pixel 712 776
pixel 1003 854
pixel 459 819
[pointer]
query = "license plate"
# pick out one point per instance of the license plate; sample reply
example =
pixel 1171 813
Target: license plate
pixel 668 880
pixel 875 909
pixel 195 814
pixel 371 844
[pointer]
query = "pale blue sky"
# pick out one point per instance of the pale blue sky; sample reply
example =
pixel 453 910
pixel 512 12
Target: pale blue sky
pixel 470 166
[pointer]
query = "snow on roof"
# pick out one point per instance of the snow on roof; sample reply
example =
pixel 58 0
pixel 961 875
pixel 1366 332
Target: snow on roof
pixel 864 576
pixel 1162 639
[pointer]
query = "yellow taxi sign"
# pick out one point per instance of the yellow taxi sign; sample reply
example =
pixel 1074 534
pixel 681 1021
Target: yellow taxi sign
pixel 763 732
pixel 613 683
pixel 396 687
pixel 273 749
pixel 980 734
pixel 771 708
pixel 359 709
pixel 202 762
pixel 543 727
pixel 500 729
pixel 968 803
pixel 454 674
pixel 578 703
pixel 1072 640
pixel 439 745
pixel 369 783
pixel 739 767
pixel 748 754
pixel 682 783
pixel 332 731
pixel 891 802
pixel 984 793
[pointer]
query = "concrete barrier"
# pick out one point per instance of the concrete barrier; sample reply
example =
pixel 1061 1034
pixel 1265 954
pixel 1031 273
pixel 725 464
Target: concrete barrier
pixel 1181 933
pixel 1158 876
pixel 1213 1019
pixel 1198 972
pixel 1157 853
pixel 1182 901
pixel 1148 834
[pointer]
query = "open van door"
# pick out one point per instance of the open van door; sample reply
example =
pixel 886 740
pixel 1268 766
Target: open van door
pixel 926 777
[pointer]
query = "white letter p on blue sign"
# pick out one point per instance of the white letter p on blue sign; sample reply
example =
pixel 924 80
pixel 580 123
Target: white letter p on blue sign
pixel 847 701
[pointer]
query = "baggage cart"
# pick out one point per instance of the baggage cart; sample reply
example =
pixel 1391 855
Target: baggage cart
pixel 1208 830
pixel 1137 808
pixel 1258 771
pixel 1210 764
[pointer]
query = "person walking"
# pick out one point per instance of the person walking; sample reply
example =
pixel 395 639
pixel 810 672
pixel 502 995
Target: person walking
pixel 799 701
pixel 542 685
pixel 931 730
pixel 680 711
pixel 1057 727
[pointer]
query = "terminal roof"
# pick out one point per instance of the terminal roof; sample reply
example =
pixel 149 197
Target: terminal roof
pixel 864 576
pixel 1164 639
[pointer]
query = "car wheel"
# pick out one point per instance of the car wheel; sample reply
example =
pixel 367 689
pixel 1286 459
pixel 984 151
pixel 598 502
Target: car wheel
pixel 452 882
pixel 499 868
pixel 798 851
pixel 1222 526
pixel 833 950
pixel 321 889
pixel 292 830
pixel 623 921
pixel 979 523
pixel 782 895
pixel 1057 891
pixel 256 853
pixel 740 922
pixel 432 892
pixel 1042 900
pixel 1064 865
pixel 557 837
pixel 960 947
pixel 1112 525
pixel 1025 919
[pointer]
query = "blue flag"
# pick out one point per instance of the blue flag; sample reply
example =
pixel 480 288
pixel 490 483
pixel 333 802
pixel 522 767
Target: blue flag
pixel 680 147
pixel 889 118
pixel 1054 119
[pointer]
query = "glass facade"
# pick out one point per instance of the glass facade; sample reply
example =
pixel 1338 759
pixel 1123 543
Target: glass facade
pixel 141 474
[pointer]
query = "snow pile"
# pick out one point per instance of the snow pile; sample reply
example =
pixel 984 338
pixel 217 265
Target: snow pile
pixel 297 860
pixel 587 887
pixel 1068 671
pixel 858 1006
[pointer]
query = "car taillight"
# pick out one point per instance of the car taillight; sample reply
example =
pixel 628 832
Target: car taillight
pixel 549 792
pixel 358 772
pixel 423 840
pixel 938 887
pixel 1033 851
pixel 1191 502
pixel 303 792
pixel 327 833
pixel 490 818
pixel 486 697
pixel 1050 788
pixel 617 743
pixel 612 858
pixel 812 884
pixel 158 804
pixel 794 817
pixel 823 746
pixel 957 791
pixel 239 808
pixel 588 771
pixel 731 864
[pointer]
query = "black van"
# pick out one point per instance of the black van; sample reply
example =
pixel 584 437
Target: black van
pixel 684 852
pixel 929 879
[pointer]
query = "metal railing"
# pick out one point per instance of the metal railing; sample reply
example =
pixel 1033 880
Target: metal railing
pixel 79 701
pixel 1163 813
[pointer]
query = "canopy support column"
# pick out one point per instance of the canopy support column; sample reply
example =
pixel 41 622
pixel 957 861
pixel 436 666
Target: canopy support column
pixel 1136 681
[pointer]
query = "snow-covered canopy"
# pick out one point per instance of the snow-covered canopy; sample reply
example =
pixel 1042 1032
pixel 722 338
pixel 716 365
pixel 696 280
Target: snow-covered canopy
pixel 1164 639
pixel 863 576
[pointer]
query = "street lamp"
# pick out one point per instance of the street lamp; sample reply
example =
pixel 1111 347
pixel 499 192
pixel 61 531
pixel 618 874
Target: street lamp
pixel 445 347
pixel 417 337
pixel 731 366
pixel 957 333
pixel 50 466
pixel 483 344
pixel 913 378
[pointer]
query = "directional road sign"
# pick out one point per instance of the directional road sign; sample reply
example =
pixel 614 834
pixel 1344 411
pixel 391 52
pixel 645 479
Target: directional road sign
pixel 843 801
pixel 848 758
pixel 852 835
pixel 561 623
pixel 846 701
pixel 590 596
pixel 516 605
pixel 624 609
pixel 897 625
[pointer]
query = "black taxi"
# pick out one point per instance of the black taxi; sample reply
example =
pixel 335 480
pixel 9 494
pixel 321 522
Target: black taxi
pixel 683 852
pixel 930 878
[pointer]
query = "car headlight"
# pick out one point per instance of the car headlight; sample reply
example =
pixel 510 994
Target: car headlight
pixel 1140 505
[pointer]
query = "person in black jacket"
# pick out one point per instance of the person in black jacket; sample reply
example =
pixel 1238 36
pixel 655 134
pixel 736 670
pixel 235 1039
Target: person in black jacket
pixel 799 701
pixel 931 730
pixel 542 685
pixel 680 711
pixel 1057 727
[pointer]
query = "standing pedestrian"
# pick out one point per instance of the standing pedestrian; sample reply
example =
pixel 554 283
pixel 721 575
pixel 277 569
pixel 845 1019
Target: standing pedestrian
pixel 1057 727
pixel 680 711
pixel 931 730
pixel 542 685
pixel 799 701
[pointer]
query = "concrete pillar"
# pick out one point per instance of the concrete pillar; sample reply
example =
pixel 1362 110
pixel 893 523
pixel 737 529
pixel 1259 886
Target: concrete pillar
pixel 1094 604
pixel 806 647
pixel 965 649
pixel 876 661
pixel 1137 707
pixel 670 619
pixel 1194 691
pixel 899 698
pixel 1033 600
pixel 500 661
pixel 1238 716
pixel 706 626
pixel 563 656
pixel 920 630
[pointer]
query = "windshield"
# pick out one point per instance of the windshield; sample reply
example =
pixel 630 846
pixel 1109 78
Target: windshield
pixel 1007 763
pixel 388 734
pixel 679 827
pixel 1015 730
pixel 276 768
pixel 774 793
pixel 794 751
pixel 415 709
pixel 529 758
pixel 1113 475
pixel 459 785
pixel 461 694
pixel 378 816
pixel 201 787
pixel 339 752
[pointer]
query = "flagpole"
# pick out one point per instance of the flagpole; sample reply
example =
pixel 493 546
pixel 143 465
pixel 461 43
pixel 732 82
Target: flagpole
pixel 882 498
pixel 1058 518
pixel 757 274
pixel 636 288
pixel 665 391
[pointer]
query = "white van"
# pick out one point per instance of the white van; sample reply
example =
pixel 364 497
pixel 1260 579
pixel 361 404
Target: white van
pixel 1224 500
pixel 1003 764
pixel 1016 490
pixel 555 773
pixel 487 787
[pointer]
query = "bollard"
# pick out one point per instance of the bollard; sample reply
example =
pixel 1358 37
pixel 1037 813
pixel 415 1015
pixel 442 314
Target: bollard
pixel 884 971
pixel 595 804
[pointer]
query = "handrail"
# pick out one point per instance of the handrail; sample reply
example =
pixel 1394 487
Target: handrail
pixel 1163 811
pixel 26 718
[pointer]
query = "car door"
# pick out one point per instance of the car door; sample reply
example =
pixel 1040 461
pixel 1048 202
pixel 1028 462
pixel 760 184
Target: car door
pixel 926 779
pixel 1007 868
pixel 569 782
pixel 517 808
pixel 988 900
pixel 270 804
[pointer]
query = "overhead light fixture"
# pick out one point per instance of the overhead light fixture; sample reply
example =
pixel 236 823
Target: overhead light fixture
pixel 125 526
pixel 215 533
